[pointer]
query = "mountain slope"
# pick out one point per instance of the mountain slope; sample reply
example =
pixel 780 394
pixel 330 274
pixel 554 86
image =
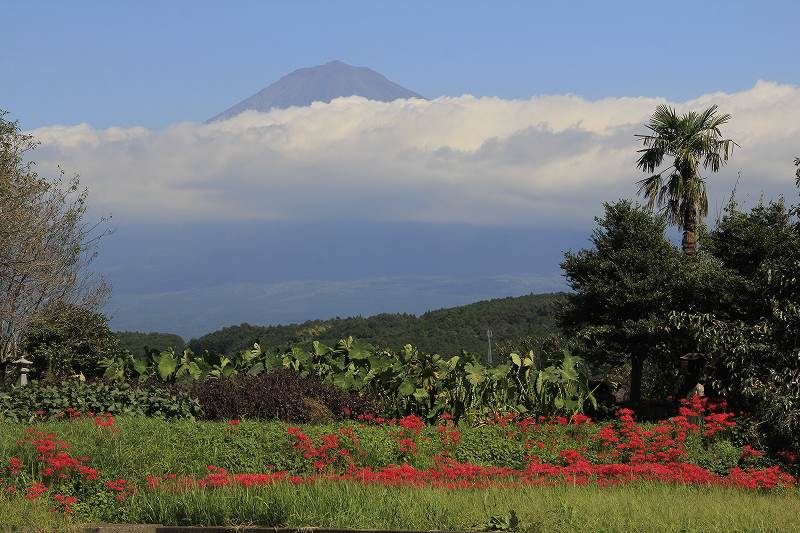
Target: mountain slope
pixel 322 83
pixel 445 331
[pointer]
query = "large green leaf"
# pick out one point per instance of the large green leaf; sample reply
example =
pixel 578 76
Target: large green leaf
pixel 360 350
pixel 166 365
pixel 255 369
pixel 474 373
pixel 421 395
pixel 140 365
pixel 406 388
pixel 320 348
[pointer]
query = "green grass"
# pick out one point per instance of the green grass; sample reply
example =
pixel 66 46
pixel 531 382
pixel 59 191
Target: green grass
pixel 158 447
pixel 644 507
pixel 19 514
pixel 149 446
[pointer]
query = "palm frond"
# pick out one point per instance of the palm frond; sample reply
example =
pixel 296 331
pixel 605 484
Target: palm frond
pixel 691 140
pixel 649 188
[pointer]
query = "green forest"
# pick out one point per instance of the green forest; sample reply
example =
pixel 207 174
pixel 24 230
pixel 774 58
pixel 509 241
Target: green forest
pixel 444 331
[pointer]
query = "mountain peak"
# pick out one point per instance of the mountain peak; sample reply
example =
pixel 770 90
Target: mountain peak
pixel 321 83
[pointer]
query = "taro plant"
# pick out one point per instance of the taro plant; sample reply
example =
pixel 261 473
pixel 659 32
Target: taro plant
pixel 409 381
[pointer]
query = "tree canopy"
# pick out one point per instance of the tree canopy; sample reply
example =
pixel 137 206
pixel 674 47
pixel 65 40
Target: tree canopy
pixel 46 242
pixel 445 331
pixel 622 290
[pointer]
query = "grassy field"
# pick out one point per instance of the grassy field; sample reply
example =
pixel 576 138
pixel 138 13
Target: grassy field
pixel 137 447
pixel 345 505
pixel 643 507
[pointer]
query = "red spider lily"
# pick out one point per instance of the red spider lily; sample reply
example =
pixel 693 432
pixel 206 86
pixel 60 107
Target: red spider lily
pixel 748 451
pixel 412 423
pixel 105 420
pixel 36 490
pixel 14 465
pixel 122 488
pixel 65 503
pixel 788 456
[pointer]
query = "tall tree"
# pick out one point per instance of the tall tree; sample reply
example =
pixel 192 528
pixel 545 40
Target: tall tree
pixel 752 336
pixel 46 243
pixel 623 291
pixel 690 141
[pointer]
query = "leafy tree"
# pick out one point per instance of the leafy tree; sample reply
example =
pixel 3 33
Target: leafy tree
pixel 689 140
pixel 622 290
pixel 46 243
pixel 752 337
pixel 70 341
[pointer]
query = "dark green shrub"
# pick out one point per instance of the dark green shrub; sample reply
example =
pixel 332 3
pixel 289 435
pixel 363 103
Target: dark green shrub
pixel 488 445
pixel 41 400
pixel 70 341
pixel 718 456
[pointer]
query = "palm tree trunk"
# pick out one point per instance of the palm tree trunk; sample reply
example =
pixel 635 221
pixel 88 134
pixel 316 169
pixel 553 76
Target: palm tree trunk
pixel 689 241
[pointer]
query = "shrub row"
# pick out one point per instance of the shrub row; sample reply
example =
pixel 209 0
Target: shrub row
pixel 73 397
pixel 279 395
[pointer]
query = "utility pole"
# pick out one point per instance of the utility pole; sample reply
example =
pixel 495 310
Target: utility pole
pixel 489 336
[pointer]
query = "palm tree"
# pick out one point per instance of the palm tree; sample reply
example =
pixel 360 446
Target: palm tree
pixel 690 140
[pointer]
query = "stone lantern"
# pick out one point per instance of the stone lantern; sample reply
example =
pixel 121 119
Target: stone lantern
pixel 24 368
pixel 691 368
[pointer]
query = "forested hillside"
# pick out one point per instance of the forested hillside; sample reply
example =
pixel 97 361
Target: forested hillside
pixel 136 341
pixel 445 331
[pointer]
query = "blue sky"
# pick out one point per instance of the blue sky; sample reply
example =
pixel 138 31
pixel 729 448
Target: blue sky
pixel 155 63
pixel 358 207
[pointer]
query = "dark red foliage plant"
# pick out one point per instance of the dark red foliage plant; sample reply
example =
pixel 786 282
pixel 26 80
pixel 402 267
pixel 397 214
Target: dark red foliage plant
pixel 278 395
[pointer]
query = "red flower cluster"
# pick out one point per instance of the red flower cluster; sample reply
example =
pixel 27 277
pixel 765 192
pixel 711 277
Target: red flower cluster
pixel 410 427
pixel 329 452
pixel 562 450
pixel 122 488
pixel 699 414
pixel 53 467
pixel 53 459
pixel 104 421
pixel 623 451
pixel 64 503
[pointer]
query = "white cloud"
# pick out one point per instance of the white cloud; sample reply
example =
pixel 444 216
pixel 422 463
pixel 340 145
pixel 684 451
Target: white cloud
pixel 550 159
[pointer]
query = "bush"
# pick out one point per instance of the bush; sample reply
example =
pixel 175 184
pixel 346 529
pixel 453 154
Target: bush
pixel 71 340
pixel 41 400
pixel 278 395
pixel 719 457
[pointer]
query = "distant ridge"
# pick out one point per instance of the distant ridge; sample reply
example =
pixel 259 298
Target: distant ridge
pixel 322 83
pixel 445 331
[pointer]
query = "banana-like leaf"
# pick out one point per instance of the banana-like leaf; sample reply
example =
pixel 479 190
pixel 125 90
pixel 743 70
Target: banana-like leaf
pixel 406 388
pixel 140 365
pixel 360 350
pixel 255 369
pixel 166 365
pixel 421 395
